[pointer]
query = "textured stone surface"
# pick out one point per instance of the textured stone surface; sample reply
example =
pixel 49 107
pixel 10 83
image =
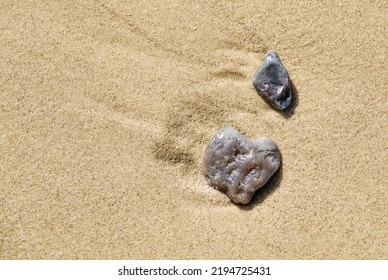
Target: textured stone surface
pixel 271 81
pixel 237 166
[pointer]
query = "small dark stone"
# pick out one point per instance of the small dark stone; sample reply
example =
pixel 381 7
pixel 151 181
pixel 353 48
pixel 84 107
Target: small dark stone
pixel 237 166
pixel 271 81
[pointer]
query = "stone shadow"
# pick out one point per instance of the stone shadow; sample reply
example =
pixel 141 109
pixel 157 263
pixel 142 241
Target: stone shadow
pixel 262 193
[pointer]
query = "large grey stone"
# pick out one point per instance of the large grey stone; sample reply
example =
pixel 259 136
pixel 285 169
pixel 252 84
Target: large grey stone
pixel 237 166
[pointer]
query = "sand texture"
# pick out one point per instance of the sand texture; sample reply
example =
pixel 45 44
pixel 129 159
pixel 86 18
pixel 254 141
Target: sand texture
pixel 106 108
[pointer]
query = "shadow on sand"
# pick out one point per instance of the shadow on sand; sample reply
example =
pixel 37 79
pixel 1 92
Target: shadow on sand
pixel 262 193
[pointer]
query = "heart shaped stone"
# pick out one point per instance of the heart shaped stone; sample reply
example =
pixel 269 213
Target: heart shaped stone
pixel 237 166
pixel 271 81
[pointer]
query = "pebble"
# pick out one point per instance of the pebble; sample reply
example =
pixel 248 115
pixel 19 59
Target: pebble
pixel 271 81
pixel 237 166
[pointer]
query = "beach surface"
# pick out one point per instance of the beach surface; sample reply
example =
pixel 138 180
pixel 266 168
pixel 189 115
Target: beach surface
pixel 106 108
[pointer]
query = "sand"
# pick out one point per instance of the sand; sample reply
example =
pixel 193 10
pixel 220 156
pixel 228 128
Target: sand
pixel 106 108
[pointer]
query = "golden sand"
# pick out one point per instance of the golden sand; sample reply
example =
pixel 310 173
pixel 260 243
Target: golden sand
pixel 106 108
